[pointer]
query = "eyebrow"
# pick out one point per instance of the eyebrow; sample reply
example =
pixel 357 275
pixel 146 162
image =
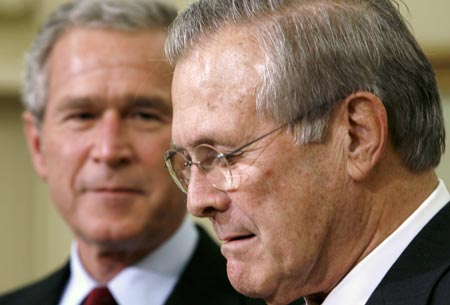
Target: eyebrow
pixel 150 102
pixel 201 140
pixel 76 102
pixel 176 147
pixel 131 101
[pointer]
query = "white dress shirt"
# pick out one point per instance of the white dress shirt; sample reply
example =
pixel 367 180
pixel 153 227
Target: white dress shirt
pixel 150 281
pixel 358 285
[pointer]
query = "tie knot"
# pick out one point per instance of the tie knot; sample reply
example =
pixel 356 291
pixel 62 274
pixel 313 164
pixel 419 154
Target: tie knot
pixel 100 296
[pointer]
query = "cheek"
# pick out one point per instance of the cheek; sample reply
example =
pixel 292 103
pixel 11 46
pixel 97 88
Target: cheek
pixel 63 158
pixel 151 148
pixel 151 155
pixel 63 164
pixel 267 174
pixel 283 202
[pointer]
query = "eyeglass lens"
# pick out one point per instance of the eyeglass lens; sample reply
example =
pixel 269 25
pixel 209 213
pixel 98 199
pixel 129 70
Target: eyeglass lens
pixel 211 163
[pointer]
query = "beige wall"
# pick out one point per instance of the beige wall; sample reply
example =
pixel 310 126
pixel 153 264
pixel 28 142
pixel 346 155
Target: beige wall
pixel 16 215
pixel 34 239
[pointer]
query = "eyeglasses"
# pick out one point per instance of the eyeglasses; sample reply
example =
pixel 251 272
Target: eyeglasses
pixel 215 165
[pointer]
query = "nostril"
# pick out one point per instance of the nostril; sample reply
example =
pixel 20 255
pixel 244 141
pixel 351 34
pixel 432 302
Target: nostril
pixel 116 159
pixel 208 211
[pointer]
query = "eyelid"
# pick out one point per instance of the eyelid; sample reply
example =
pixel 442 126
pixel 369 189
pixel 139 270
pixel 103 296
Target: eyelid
pixel 182 151
pixel 143 113
pixel 234 154
pixel 178 149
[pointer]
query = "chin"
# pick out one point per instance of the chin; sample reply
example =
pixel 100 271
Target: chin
pixel 249 281
pixel 258 280
pixel 111 232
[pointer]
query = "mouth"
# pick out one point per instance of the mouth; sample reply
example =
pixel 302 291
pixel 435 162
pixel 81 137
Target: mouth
pixel 238 238
pixel 117 191
pixel 238 245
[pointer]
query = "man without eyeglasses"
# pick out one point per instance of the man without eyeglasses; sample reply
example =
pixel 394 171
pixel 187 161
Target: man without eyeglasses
pixel 308 133
pixel 98 119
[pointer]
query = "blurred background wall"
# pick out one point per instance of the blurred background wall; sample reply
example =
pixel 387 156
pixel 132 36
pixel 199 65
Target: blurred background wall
pixel 33 239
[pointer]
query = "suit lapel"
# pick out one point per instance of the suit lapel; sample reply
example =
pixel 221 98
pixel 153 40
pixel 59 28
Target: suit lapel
pixel 413 276
pixel 51 289
pixel 47 291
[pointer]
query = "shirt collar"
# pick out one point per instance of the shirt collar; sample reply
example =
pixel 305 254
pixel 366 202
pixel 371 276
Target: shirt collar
pixel 149 281
pixel 359 284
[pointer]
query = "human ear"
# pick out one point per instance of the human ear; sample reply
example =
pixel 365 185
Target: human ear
pixel 368 131
pixel 34 141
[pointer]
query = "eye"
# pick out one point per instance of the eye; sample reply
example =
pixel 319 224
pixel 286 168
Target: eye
pixel 210 161
pixel 143 115
pixel 232 158
pixel 146 119
pixel 79 118
pixel 83 116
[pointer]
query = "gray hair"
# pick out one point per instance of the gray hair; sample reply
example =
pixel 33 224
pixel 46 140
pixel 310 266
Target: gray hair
pixel 131 15
pixel 320 51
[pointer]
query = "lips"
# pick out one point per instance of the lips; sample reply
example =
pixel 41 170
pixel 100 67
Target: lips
pixel 237 237
pixel 238 246
pixel 228 231
pixel 113 192
pixel 239 240
pixel 118 190
pixel 109 182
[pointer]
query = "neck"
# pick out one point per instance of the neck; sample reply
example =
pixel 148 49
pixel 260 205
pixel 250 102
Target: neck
pixel 390 198
pixel 104 262
pixel 401 197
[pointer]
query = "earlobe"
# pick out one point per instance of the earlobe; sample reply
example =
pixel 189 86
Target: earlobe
pixel 33 137
pixel 368 132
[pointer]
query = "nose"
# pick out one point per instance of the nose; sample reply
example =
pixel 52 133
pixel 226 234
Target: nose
pixel 203 199
pixel 111 143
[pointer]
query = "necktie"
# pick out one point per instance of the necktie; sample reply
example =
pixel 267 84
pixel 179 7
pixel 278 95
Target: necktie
pixel 100 296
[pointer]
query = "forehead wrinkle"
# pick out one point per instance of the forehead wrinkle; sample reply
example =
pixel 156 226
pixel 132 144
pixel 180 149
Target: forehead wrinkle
pixel 112 69
pixel 190 146
pixel 227 65
pixel 212 80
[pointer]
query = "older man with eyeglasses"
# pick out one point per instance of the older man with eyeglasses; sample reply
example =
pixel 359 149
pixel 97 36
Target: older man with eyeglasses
pixel 340 205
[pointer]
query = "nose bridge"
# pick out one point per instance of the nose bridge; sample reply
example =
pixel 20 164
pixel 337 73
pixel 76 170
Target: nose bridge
pixel 204 200
pixel 110 143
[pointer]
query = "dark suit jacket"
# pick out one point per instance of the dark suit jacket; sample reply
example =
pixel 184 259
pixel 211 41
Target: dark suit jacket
pixel 203 282
pixel 421 275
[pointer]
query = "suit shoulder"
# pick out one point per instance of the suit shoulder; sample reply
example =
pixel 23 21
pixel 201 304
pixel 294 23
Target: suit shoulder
pixel 441 291
pixel 44 291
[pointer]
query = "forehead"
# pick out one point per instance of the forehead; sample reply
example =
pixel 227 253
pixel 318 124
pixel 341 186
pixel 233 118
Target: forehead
pixel 85 48
pixel 91 61
pixel 214 87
